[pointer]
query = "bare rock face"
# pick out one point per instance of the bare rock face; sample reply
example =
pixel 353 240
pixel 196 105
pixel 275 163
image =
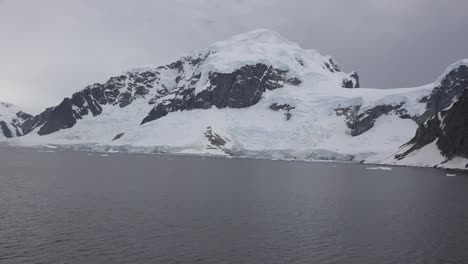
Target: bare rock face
pixel 449 90
pixel 11 124
pixel 449 128
pixel 446 118
pixel 216 141
pixel 352 81
pixel 118 136
pixel 332 66
pixel 5 129
pixel 360 122
pixel 239 89
pixel 119 91
pixel 284 107
pixel 242 88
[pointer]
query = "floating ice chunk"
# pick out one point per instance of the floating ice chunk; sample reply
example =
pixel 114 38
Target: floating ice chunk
pixel 379 168
pixel 451 175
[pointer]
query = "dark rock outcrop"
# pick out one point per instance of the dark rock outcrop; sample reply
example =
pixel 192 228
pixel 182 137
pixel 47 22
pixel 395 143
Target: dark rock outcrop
pixel 13 127
pixel 216 141
pixel 59 118
pixel 361 122
pixel 119 91
pixel 285 107
pixel 332 66
pixel 448 127
pixel 118 136
pixel 36 121
pixel 239 89
pixel 449 90
pixel 5 130
pixel 352 81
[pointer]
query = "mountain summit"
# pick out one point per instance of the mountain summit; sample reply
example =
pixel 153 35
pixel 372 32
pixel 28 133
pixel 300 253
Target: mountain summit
pixel 256 94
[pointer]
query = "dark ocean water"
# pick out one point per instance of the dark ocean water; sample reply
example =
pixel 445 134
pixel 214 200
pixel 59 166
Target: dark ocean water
pixel 68 207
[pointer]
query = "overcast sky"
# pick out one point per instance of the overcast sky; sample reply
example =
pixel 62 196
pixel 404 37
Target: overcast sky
pixel 51 48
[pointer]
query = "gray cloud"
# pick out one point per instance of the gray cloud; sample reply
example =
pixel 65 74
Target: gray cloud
pixel 51 48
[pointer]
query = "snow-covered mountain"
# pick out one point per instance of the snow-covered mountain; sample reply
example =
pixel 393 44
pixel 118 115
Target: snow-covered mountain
pixel 256 94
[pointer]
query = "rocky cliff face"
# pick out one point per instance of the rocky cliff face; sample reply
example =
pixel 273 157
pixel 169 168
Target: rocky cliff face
pixel 450 87
pixel 444 123
pixel 360 122
pixel 239 89
pixel 119 91
pixel 352 81
pixel 448 129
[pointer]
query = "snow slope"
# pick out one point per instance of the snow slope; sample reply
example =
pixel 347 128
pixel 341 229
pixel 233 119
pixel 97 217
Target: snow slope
pixel 267 47
pixel 8 111
pixel 428 156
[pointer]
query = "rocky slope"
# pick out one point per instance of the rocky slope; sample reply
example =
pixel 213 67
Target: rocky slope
pixel 448 129
pixel 256 94
pixel 11 120
pixel 441 138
